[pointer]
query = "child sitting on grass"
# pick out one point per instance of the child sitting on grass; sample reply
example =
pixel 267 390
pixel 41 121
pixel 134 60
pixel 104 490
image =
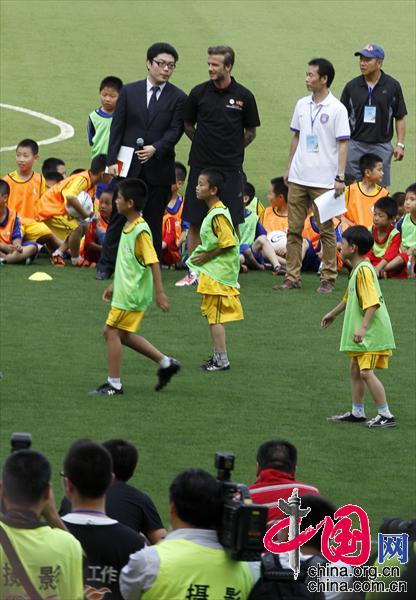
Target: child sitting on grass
pixel 361 196
pixel 255 248
pixel 385 255
pixel 97 227
pixel 216 261
pixel 173 231
pixel 137 269
pixel 407 228
pixel 12 249
pixel 367 334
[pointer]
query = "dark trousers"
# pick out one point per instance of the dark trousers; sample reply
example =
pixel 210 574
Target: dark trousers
pixel 159 196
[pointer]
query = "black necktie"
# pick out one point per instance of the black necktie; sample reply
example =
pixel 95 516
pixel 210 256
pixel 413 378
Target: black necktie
pixel 153 101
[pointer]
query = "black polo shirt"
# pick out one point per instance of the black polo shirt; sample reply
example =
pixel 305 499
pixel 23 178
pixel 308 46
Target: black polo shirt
pixel 388 99
pixel 221 116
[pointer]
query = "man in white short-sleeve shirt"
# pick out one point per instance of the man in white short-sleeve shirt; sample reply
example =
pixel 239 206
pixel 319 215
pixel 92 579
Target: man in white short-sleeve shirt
pixel 317 158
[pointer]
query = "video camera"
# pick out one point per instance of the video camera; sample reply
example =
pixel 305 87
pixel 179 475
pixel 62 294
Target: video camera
pixel 397 525
pixel 243 524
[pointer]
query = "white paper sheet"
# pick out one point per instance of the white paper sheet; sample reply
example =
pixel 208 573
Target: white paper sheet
pixel 329 206
pixel 124 159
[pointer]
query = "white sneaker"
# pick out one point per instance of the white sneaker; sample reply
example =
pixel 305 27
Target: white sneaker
pixel 189 279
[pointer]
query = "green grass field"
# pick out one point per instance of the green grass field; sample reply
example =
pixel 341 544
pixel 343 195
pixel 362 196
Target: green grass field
pixel 287 374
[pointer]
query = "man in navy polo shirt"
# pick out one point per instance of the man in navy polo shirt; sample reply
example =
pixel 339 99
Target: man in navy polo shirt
pixel 220 118
pixel 373 100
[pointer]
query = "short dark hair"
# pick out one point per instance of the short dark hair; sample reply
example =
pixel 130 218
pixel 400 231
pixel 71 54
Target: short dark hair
pixel 26 476
pixel 411 189
pixel 53 176
pixel 214 177
pixel 89 467
pixel 279 187
pixel 4 188
pixel 197 498
pixel 399 198
pixel 387 205
pixel 361 237
pixel 51 164
pixel 111 81
pixel 98 164
pixel 249 190
pixel 124 455
pixel 161 48
pixel 277 454
pixel 135 190
pixel 28 143
pixel 320 508
pixel 180 171
pixel 325 68
pixel 226 51
pixel 368 161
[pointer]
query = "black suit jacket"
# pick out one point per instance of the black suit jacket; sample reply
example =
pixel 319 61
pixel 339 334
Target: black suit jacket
pixel 163 130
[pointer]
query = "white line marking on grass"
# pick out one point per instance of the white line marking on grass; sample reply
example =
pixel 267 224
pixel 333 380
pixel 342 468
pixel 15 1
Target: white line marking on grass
pixel 66 130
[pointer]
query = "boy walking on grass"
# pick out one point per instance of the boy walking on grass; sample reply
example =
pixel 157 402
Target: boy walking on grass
pixel 367 334
pixel 137 268
pixel 216 261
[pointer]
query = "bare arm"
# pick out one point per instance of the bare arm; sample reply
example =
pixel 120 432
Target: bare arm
pixel 161 298
pixel 401 134
pixel 249 135
pixel 75 203
pixel 293 145
pixel 368 315
pixel 342 161
pixel 331 316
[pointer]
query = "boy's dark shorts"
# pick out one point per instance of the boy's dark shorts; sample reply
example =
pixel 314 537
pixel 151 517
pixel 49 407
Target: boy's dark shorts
pixel 231 195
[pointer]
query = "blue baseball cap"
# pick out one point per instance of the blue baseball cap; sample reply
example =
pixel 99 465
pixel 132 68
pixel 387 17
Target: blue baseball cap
pixel 371 51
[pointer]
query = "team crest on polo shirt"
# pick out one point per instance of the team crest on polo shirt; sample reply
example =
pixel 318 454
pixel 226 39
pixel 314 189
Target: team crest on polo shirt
pixel 324 118
pixel 235 104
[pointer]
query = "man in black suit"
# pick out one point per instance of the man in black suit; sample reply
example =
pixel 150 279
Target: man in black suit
pixel 151 109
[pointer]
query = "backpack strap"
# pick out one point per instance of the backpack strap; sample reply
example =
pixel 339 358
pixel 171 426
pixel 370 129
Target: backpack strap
pixel 18 567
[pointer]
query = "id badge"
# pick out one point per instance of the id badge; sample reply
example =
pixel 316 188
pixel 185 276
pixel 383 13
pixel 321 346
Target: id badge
pixel 312 143
pixel 369 114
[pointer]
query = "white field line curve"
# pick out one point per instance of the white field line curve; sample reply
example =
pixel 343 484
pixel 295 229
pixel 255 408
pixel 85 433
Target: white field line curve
pixel 65 130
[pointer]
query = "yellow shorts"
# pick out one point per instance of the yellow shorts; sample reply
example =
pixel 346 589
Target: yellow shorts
pixel 128 320
pixel 221 309
pixel 35 231
pixel 371 360
pixel 62 225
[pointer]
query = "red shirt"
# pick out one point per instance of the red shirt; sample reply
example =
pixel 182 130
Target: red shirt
pixel 271 485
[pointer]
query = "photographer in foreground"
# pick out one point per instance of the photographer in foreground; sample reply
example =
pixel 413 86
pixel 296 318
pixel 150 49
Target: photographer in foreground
pixel 38 559
pixel 190 561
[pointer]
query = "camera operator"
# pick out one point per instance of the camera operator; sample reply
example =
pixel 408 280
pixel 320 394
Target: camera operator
pixel 38 559
pixel 190 562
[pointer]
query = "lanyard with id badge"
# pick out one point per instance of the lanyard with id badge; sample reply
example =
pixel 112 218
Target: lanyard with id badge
pixel 370 111
pixel 312 143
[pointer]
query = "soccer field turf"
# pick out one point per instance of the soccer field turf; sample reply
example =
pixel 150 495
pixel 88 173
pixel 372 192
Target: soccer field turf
pixel 287 374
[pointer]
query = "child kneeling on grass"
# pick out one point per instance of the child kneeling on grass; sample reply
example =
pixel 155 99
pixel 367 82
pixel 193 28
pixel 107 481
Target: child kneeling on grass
pixel 216 261
pixel 367 334
pixel 137 268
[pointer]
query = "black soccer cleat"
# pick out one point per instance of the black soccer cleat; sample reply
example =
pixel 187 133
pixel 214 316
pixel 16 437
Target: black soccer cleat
pixel 166 374
pixel 106 390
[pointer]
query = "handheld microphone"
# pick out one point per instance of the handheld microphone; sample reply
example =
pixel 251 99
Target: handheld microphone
pixel 139 143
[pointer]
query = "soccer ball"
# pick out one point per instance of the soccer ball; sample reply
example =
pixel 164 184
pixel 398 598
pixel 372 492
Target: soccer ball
pixel 86 202
pixel 277 239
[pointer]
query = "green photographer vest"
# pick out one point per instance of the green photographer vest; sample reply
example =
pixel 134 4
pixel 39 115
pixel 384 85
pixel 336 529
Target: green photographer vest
pixel 101 137
pixel 186 567
pixel 379 335
pixel 133 282
pixel 225 267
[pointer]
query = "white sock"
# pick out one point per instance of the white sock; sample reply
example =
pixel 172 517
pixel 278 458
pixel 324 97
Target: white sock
pixel 116 383
pixel 221 358
pixel 75 260
pixel 384 411
pixel 165 362
pixel 358 410
pixel 58 253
